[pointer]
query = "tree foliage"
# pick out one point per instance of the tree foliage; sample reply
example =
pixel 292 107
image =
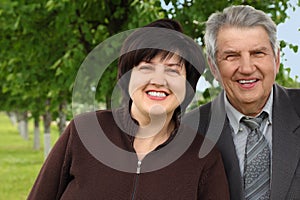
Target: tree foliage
pixel 44 42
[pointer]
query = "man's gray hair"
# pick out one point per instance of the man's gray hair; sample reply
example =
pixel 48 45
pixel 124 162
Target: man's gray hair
pixel 242 16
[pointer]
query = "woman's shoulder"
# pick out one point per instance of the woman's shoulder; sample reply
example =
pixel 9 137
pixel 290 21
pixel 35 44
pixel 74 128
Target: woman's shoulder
pixel 92 116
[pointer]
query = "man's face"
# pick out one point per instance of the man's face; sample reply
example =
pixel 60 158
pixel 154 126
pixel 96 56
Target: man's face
pixel 247 67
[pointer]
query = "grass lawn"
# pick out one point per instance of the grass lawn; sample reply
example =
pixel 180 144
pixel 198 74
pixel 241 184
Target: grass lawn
pixel 19 163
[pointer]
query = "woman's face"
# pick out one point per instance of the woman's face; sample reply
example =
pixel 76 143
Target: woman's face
pixel 157 87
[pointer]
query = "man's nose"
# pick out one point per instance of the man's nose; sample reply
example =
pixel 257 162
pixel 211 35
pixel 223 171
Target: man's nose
pixel 246 64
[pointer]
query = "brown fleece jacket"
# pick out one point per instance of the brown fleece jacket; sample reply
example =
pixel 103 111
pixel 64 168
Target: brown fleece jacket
pixel 82 166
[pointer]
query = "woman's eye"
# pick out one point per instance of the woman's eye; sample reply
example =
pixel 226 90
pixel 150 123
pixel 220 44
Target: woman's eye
pixel 172 71
pixel 146 68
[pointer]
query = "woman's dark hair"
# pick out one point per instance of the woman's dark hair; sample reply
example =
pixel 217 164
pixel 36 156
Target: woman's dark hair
pixel 163 37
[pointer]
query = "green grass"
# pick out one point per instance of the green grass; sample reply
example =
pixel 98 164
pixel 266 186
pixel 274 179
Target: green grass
pixel 19 163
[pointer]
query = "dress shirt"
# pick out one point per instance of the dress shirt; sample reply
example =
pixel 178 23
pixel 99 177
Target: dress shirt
pixel 240 131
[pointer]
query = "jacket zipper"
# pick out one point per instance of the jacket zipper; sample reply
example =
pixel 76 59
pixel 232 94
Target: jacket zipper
pixel 138 171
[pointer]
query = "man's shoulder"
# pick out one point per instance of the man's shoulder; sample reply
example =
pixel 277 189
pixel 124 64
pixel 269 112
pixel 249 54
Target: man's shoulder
pixel 292 95
pixel 201 110
pixel 293 92
pixel 198 118
pixel 289 91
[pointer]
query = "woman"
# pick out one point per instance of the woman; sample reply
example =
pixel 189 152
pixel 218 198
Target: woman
pixel 145 153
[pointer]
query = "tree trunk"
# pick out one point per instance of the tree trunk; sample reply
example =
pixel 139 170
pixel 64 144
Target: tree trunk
pixel 47 130
pixel 62 117
pixel 13 117
pixel 36 135
pixel 23 124
pixel 108 101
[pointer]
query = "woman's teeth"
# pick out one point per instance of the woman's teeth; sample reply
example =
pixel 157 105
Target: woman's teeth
pixel 157 94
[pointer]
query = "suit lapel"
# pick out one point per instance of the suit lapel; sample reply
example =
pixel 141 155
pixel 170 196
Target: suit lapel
pixel 285 143
pixel 231 163
pixel 226 146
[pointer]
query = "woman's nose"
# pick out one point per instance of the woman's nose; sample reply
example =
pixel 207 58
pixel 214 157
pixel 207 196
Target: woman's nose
pixel 158 77
pixel 158 80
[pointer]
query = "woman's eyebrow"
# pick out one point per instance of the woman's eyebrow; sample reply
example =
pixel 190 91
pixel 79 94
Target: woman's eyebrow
pixel 173 64
pixel 179 64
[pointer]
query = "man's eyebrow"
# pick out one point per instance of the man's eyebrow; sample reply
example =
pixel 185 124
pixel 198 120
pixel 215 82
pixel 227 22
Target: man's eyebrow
pixel 260 49
pixel 230 51
pixel 226 52
pixel 263 48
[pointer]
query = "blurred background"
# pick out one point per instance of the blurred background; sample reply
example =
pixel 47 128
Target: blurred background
pixel 44 42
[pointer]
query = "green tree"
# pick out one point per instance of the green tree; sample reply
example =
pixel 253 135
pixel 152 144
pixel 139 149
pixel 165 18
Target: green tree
pixel 44 42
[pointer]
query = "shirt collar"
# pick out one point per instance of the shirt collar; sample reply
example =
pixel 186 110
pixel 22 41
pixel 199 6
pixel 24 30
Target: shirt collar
pixel 268 107
pixel 235 116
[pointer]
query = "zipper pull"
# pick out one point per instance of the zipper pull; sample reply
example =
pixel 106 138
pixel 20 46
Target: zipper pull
pixel 138 169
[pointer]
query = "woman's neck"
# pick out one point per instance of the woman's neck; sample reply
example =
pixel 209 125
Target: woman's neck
pixel 152 135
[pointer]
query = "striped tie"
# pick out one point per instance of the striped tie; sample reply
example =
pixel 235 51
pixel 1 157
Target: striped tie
pixel 257 161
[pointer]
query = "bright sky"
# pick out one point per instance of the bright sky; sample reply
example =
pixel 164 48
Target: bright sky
pixel 290 32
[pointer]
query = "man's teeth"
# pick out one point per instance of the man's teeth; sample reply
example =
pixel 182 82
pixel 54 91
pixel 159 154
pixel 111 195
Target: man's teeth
pixel 157 94
pixel 247 81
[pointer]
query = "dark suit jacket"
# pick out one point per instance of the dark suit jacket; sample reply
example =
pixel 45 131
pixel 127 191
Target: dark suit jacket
pixel 211 120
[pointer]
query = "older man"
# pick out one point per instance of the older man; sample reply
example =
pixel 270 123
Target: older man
pixel 259 135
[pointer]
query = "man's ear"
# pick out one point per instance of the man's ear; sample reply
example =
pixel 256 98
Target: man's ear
pixel 277 61
pixel 213 69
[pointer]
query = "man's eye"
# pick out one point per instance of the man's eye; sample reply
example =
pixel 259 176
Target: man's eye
pixel 259 54
pixel 231 57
